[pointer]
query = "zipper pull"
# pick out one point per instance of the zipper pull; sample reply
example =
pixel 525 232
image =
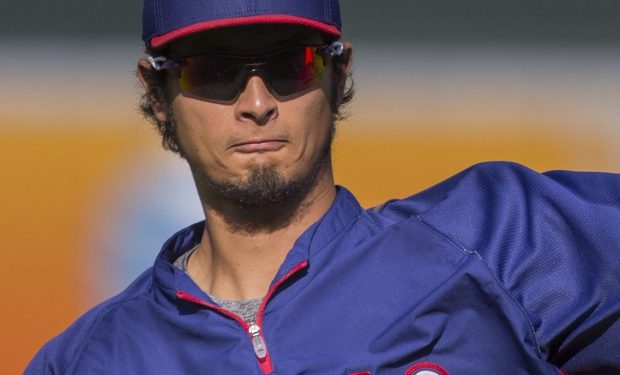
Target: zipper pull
pixel 257 341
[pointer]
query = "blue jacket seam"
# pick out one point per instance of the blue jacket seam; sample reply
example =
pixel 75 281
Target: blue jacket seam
pixel 476 254
pixel 81 345
pixel 344 229
pixel 371 221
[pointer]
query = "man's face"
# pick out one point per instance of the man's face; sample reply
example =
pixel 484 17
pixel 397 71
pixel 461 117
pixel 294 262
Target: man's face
pixel 258 147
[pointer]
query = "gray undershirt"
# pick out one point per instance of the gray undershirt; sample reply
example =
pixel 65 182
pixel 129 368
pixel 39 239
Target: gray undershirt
pixel 247 309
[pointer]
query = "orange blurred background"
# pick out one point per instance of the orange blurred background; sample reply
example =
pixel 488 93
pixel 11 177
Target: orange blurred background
pixel 87 195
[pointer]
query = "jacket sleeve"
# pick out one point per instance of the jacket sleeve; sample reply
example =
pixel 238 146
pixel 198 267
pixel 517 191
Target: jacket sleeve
pixel 59 355
pixel 553 241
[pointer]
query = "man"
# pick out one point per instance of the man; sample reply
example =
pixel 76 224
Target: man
pixel 497 270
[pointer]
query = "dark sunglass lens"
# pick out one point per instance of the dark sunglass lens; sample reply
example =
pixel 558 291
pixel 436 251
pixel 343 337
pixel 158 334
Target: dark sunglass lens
pixel 210 77
pixel 295 70
pixel 221 78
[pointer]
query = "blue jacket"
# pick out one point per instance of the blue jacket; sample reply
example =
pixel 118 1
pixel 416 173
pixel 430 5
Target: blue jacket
pixel 497 270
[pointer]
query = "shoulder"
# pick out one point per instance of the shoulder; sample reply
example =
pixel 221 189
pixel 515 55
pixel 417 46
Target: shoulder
pixel 499 208
pixel 61 353
pixel 549 239
pixel 488 190
pixel 510 200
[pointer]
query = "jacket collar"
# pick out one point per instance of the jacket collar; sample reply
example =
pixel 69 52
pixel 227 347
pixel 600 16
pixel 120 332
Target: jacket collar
pixel 344 211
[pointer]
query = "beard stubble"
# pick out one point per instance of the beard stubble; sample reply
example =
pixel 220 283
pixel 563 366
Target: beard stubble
pixel 265 200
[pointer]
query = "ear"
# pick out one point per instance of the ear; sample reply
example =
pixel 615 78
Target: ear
pixel 157 102
pixel 342 70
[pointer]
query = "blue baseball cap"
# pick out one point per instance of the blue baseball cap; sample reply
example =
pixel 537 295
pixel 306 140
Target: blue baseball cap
pixel 164 21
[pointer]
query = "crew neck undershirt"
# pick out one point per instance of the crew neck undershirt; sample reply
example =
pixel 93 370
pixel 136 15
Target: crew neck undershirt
pixel 245 308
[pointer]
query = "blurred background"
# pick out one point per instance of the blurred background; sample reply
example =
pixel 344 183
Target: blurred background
pixel 87 195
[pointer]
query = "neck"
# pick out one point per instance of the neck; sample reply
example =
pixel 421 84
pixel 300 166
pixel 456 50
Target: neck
pixel 238 260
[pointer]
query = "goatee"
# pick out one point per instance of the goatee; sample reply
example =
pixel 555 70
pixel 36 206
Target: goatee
pixel 265 200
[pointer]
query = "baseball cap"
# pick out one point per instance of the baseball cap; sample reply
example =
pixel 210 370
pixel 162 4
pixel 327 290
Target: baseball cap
pixel 164 21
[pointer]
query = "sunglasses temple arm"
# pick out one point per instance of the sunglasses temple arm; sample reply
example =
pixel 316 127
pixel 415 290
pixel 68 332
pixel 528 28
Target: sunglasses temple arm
pixel 162 63
pixel 334 49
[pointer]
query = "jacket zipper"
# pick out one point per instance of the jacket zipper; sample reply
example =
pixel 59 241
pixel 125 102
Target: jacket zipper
pixel 254 329
pixel 258 343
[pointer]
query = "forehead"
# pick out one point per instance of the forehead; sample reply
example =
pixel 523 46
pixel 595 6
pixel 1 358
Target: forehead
pixel 250 40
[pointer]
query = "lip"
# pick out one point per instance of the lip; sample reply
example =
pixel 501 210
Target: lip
pixel 261 145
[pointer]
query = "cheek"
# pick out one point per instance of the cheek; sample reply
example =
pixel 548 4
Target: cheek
pixel 312 119
pixel 198 130
pixel 318 114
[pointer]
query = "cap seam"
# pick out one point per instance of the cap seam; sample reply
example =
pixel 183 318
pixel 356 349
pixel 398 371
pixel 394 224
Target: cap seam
pixel 158 13
pixel 327 8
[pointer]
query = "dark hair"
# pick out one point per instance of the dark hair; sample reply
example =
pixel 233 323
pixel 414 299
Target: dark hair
pixel 158 93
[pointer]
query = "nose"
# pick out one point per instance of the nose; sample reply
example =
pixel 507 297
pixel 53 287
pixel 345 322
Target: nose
pixel 256 103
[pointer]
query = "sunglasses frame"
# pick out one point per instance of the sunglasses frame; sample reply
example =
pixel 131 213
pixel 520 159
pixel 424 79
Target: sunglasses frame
pixel 161 63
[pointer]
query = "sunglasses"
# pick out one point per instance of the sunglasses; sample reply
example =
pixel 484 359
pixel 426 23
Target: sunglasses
pixel 223 77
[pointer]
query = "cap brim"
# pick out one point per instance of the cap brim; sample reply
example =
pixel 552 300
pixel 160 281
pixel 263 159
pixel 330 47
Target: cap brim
pixel 162 40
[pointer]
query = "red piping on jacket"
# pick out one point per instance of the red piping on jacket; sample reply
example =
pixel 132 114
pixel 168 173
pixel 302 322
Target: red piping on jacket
pixel 261 309
pixel 265 364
